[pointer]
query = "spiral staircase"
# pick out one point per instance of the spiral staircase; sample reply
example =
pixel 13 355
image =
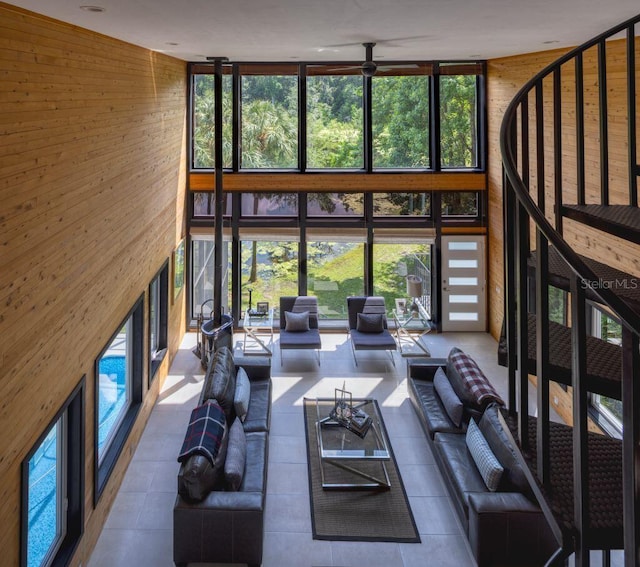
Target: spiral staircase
pixel 556 197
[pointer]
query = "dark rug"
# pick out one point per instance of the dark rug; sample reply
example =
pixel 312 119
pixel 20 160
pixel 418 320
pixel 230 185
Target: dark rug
pixel 355 515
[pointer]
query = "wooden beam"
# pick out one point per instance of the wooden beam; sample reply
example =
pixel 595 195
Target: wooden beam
pixel 338 181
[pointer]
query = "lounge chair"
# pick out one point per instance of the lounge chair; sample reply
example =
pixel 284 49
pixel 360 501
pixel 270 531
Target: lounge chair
pixel 299 324
pixel 368 326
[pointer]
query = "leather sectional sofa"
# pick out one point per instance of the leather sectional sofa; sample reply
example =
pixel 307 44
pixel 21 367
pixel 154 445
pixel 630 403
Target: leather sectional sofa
pixel 504 526
pixel 211 522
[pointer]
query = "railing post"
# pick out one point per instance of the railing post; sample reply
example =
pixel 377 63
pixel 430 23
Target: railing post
pixel 510 290
pixel 580 439
pixel 542 356
pixel 631 447
pixel 604 123
pixel 580 130
pixel 631 111
pixel 522 255
pixel 557 146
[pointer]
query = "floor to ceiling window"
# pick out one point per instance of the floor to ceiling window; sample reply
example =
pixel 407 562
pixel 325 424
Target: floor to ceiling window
pixel 312 123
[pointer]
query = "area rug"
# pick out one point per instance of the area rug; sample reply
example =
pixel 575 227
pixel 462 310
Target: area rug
pixel 355 515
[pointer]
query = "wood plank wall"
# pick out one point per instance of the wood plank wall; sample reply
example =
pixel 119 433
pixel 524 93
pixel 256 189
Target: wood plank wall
pixel 505 77
pixel 92 182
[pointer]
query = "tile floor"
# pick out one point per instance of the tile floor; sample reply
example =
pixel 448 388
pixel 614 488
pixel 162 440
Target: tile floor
pixel 138 531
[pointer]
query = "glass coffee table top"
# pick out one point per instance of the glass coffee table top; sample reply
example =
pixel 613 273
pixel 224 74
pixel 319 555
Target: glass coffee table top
pixel 362 457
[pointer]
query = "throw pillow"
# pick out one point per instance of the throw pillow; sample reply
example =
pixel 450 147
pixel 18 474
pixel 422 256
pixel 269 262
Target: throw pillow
pixel 513 479
pixel 370 323
pixel 220 381
pixel 296 322
pixel 243 394
pixel 469 382
pixel 204 433
pixel 452 404
pixel 490 468
pixel 236 456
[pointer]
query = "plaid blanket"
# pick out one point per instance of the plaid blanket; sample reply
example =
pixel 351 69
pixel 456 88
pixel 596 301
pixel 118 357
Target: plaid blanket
pixel 205 432
pixel 474 379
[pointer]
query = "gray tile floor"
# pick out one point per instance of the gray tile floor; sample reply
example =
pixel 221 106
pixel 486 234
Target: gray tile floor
pixel 138 531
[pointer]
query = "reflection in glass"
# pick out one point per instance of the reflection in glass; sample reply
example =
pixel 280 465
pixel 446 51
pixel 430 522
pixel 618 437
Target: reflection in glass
pixel 458 127
pixel 334 122
pixel 204 121
pixel 401 204
pixel 114 387
pixel 202 264
pixel 335 271
pixel 45 499
pixel 269 204
pixel 335 204
pixel 400 108
pixel 269 122
pixel 269 270
pixel 204 204
pixel 460 204
pixel 392 263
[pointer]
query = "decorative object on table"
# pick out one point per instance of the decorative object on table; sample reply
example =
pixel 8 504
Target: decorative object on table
pixel 262 307
pixel 348 514
pixel 401 306
pixel 414 290
pixel 343 413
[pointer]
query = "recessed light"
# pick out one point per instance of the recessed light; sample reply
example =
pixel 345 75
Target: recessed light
pixel 93 9
pixel 171 43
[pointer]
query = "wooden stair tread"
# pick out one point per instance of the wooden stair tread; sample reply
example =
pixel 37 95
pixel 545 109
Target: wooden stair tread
pixel 620 220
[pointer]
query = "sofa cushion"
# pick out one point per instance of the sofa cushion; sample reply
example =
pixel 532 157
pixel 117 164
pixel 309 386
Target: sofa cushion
pixel 430 409
pixel 296 322
pixel 513 478
pixel 490 468
pixel 205 432
pixel 370 323
pixel 236 456
pixel 452 404
pixel 469 382
pixel 243 394
pixel 259 414
pixel 458 467
pixel 220 381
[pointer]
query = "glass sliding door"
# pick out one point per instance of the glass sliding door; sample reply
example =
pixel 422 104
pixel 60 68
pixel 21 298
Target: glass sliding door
pixel 335 271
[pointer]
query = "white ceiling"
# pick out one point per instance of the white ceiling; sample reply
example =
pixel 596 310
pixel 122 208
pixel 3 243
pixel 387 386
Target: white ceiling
pixel 321 30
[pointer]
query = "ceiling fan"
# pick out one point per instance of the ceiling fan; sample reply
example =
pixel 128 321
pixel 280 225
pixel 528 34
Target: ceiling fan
pixel 369 68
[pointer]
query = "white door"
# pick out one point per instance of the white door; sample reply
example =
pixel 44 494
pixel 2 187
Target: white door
pixel 463 283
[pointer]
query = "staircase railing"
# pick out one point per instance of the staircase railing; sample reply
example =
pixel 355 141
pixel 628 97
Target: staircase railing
pixel 526 134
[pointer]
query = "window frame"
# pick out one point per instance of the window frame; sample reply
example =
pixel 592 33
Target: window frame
pixel 104 464
pixel 304 70
pixel 70 502
pixel 160 325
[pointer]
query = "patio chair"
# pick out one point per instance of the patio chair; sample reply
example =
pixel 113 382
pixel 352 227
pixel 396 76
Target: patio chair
pixel 368 326
pixel 299 324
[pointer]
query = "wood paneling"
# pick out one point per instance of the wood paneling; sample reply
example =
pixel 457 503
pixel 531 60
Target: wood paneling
pixel 92 182
pixel 337 182
pixel 505 77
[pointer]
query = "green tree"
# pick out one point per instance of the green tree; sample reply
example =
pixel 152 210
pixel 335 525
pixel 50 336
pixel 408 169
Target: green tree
pixel 458 135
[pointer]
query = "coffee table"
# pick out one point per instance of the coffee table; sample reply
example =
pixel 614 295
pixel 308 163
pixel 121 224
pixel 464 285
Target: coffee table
pixel 341 448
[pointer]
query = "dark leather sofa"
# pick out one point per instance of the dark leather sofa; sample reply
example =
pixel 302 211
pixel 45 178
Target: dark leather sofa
pixel 227 526
pixel 505 527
